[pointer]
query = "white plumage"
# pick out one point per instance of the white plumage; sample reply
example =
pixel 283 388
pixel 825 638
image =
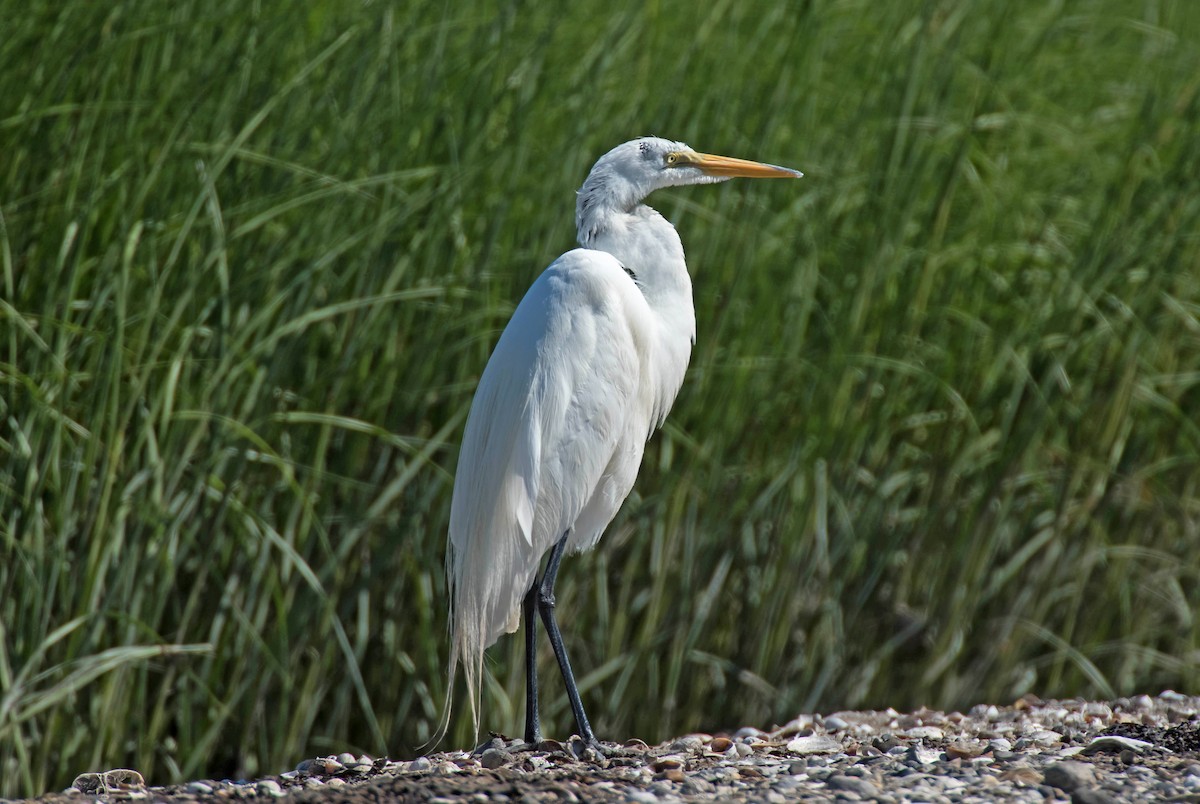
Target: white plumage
pixel 584 372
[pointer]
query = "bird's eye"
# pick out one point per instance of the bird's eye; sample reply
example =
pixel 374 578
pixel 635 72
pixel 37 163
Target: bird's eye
pixel 671 158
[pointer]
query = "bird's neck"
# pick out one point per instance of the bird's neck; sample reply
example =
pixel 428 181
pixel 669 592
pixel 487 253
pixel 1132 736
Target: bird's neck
pixel 648 247
pixel 646 244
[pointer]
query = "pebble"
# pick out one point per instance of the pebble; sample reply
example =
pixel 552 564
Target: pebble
pixel 692 742
pixel 1069 775
pixel 814 744
pixel 268 787
pixel 495 758
pixel 862 787
pixel 1114 744
pixel 964 749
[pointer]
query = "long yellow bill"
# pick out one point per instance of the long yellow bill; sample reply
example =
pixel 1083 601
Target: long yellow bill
pixel 730 166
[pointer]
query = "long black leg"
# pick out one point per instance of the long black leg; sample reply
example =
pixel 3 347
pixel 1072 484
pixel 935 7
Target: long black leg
pixel 546 609
pixel 533 726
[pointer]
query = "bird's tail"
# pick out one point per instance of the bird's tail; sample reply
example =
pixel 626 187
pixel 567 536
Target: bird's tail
pixel 467 641
pixel 487 580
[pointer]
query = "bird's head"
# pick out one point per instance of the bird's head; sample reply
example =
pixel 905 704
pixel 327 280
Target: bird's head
pixel 628 173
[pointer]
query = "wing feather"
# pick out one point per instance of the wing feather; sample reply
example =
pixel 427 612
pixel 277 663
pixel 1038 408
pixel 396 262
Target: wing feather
pixel 557 399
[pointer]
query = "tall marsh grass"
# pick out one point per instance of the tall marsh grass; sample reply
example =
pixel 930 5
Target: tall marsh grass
pixel 939 443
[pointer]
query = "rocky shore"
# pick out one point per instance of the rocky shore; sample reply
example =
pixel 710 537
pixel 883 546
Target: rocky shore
pixel 1132 749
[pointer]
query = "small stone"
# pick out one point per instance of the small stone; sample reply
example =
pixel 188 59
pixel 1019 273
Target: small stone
pixel 420 765
pixel 495 741
pixel 346 758
pixel 865 789
pixel 199 788
pixel 495 758
pixel 922 756
pixel 818 774
pixel 814 744
pixel 641 797
pixel 1113 744
pixel 666 763
pixel 268 787
pixel 335 782
pixel 1046 738
pixel 1091 795
pixel 673 775
pixel 720 745
pixel 964 749
pixel 690 742
pixel 1069 775
pixel 885 742
pixel 694 785
pixel 835 723
pixel 1142 702
pixel 743 749
pixel 1023 775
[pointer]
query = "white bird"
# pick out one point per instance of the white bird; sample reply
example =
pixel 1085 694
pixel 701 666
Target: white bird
pixel 583 374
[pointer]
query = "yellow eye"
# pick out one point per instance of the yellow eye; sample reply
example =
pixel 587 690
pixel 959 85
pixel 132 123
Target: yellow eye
pixel 672 158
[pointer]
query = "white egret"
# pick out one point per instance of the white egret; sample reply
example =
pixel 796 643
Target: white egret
pixel 581 377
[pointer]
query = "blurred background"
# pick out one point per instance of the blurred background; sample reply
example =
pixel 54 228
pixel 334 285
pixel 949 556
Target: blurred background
pixel 938 445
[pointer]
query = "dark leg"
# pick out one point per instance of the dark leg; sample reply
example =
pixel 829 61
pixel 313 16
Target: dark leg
pixel 533 726
pixel 546 609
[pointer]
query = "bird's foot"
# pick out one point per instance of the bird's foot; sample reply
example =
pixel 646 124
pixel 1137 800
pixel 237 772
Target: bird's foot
pixel 592 750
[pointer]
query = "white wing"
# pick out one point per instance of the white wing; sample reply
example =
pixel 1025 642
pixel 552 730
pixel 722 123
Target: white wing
pixel 556 430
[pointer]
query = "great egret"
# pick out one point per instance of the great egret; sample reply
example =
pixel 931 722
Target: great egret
pixel 581 377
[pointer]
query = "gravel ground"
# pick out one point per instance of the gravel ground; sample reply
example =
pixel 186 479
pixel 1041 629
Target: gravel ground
pixel 1131 749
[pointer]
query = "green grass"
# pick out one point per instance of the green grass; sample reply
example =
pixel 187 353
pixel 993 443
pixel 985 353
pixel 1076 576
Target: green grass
pixel 939 443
